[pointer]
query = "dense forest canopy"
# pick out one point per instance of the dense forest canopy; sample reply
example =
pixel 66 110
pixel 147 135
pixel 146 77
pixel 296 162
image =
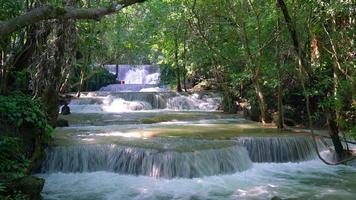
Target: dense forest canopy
pixel 249 48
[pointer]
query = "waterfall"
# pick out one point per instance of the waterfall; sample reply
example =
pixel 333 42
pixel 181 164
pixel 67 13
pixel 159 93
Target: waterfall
pixel 136 78
pixel 149 162
pixel 132 88
pixel 133 101
pixel 193 102
pixel 280 149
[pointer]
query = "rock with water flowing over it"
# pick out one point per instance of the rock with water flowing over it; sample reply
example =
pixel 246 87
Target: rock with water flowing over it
pixel 149 162
pixel 280 149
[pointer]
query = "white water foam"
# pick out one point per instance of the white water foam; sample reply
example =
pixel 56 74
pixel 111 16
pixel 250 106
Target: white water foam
pixel 306 180
pixel 125 102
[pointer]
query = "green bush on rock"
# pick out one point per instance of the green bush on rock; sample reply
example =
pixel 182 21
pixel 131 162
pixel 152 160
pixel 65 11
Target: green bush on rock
pixel 24 131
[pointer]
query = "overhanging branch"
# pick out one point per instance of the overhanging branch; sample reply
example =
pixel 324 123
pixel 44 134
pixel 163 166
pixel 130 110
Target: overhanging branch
pixel 56 12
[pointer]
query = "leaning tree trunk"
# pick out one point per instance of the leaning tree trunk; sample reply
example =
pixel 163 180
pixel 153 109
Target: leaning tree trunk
pixel 334 131
pixel 260 99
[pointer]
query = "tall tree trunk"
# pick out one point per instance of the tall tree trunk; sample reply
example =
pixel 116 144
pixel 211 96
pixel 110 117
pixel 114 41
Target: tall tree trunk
pixel 294 37
pixel 255 74
pixel 80 89
pixel 179 86
pixel 330 113
pixel 260 99
pixel 50 94
pixel 280 121
pixel 334 132
pixel 185 65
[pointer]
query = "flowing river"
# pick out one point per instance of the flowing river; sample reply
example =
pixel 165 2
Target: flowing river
pixel 164 145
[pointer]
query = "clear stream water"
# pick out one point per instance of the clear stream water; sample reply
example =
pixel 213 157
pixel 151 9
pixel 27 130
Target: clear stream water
pixel 161 146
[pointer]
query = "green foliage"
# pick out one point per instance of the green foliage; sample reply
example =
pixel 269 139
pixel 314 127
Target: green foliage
pixel 12 157
pixel 236 43
pixel 167 75
pixel 10 9
pixel 19 110
pixel 16 196
pixel 102 77
pixel 97 77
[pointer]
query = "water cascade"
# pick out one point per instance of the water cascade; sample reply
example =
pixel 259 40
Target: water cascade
pixel 280 149
pixel 149 162
pixel 134 78
pixel 131 101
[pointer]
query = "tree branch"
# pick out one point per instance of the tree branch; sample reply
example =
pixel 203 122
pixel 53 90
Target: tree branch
pixel 56 12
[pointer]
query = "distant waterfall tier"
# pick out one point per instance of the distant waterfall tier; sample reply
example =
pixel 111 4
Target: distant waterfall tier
pixel 134 88
pixel 148 162
pixel 135 78
pixel 280 149
pixel 133 101
pixel 136 74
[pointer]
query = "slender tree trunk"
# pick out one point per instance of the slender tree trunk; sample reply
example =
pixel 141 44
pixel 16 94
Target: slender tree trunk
pixel 179 87
pixel 330 114
pixel 280 121
pixel 260 99
pixel 334 131
pixel 4 60
pixel 255 74
pixel 65 84
pixel 294 37
pixel 185 65
pixel 82 75
pixel 3 86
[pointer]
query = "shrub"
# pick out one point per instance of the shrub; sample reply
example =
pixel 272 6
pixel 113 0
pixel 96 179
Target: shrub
pixel 19 114
pixel 12 157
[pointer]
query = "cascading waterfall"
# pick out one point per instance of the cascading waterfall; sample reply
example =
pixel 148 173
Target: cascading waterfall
pixel 174 162
pixel 119 156
pixel 280 149
pixel 137 74
pixel 149 162
pixel 135 78
pixel 133 101
pixel 193 102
